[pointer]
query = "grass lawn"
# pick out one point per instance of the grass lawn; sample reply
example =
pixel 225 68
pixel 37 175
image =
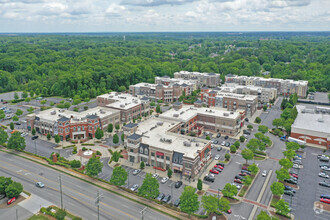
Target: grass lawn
pixel 38 217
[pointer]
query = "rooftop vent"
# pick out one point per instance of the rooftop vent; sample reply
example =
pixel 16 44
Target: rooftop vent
pixel 225 114
pixel 122 105
pixel 53 113
pixel 320 120
pixel 160 123
pixel 186 143
pixel 175 115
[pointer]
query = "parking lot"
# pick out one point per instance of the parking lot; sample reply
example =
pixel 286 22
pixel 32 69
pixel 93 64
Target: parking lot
pixel 309 189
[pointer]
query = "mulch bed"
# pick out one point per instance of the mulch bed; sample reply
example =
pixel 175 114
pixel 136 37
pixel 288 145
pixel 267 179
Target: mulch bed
pixel 292 185
pixel 325 207
pixel 200 192
pixel 232 200
pixel 4 205
pixel 278 216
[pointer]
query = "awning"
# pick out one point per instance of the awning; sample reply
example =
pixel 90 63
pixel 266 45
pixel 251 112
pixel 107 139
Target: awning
pixel 159 153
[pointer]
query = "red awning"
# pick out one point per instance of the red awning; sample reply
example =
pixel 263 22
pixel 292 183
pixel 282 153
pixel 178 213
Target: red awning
pixel 159 153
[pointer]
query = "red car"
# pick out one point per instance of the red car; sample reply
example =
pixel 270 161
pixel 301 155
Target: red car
pixel 238 181
pixel 217 166
pixel 294 175
pixel 10 201
pixel 242 174
pixel 325 200
pixel 214 171
pixel 244 168
pixel 229 211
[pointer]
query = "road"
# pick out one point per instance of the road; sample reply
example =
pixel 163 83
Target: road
pixel 78 196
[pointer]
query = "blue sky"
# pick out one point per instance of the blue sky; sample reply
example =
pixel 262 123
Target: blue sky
pixel 163 15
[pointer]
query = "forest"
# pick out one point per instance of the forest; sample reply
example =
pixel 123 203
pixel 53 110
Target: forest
pixel 87 65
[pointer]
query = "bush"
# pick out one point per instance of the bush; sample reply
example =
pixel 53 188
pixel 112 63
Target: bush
pixel 98 153
pixel 207 138
pixel 84 149
pixel 75 164
pixel 43 210
pixel 60 214
pixel 227 156
pixel 257 120
pixel 250 127
pixel 233 149
pixel 74 150
pixel 242 138
pixel 237 144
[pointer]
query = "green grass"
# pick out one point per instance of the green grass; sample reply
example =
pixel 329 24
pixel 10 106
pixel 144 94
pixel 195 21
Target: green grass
pixel 243 191
pixel 38 217
pixel 273 202
pixel 259 158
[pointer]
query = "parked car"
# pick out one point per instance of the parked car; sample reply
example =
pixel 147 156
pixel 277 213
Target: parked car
pixel 229 211
pixel 164 180
pixel 243 174
pixel 327 201
pixel 238 181
pixel 218 169
pixel 246 132
pixel 298 162
pixel 160 196
pixel 264 173
pixel 40 185
pixel 215 142
pixel 226 137
pixel 324 184
pixel 323 175
pixel 214 171
pixel 218 135
pixel 325 196
pixel 324 165
pixel 221 164
pixel 246 171
pixel 227 144
pixel 209 178
pixel 324 159
pixel 24 134
pixel 296 166
pixel 134 187
pixel 178 184
pixel 289 188
pixel 321 155
pixel 219 148
pixel 244 168
pixel 218 166
pixel 166 198
pixel 246 119
pixel 137 171
pixel 10 201
pixel 237 186
pixel 17 123
pixel 176 203
pixel 288 192
pixel 239 177
pixel 223 143
pixel 293 175
pixel 293 172
pixel 155 175
pixel 212 146
pixel 325 168
pixel 217 157
pixel 291 180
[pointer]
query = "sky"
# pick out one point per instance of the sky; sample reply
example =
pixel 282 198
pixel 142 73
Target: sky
pixel 163 15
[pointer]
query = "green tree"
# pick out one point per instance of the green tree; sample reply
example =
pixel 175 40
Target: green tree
pixel 253 144
pixel 290 154
pixel 99 133
pixel 16 141
pixel 200 184
pixel 237 144
pixel 57 139
pixel 285 163
pixel 4 183
pixel 152 104
pixel 43 102
pixel 278 122
pixel 30 110
pixel 282 207
pixel 247 180
pixel 119 176
pixel 282 174
pixel 67 105
pixel 263 216
pixel 158 108
pixel 142 165
pixel 12 126
pixel 169 173
pixel 49 136
pixel 242 138
pixel 229 190
pixel 233 149
pixel 224 204
pixel 263 129
pixel 227 156
pixel 33 131
pixel 94 166
pixel 209 203
pixel 75 163
pixel 264 108
pixel 115 156
pixel 149 187
pixel 247 154
pixel 13 189
pixel 19 112
pixel 292 146
pixel 277 188
pixel 117 127
pixel 2 115
pixel 110 128
pixel 60 214
pixel 253 168
pixel 15 118
pixel 16 96
pixel 189 200
pixel 115 139
pixel 3 136
pixel 257 120
pixel 37 91
pixel 250 127
pixel 122 137
pixel 31 93
pixel 24 95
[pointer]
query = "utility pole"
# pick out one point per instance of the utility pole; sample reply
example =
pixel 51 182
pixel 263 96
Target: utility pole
pixel 60 179
pixel 35 146
pixel 127 179
pixel 172 190
pixel 16 214
pixel 97 203
pixel 142 212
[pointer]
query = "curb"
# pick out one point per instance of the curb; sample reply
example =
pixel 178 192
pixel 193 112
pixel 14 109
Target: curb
pixel 251 184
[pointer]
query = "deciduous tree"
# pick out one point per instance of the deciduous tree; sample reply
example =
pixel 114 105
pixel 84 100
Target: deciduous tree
pixel 94 166
pixel 209 203
pixel 189 200
pixel 16 141
pixel 14 189
pixel 224 204
pixel 3 136
pixel 119 176
pixel 277 188
pixel 247 154
pixel 149 187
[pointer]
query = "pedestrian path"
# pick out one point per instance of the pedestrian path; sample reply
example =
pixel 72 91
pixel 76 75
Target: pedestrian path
pixel 34 203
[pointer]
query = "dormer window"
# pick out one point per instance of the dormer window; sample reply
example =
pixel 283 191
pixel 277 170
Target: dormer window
pixel 141 150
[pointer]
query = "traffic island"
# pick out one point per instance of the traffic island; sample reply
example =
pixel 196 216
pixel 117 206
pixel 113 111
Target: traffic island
pixel 53 212
pixel 282 217
pixel 321 207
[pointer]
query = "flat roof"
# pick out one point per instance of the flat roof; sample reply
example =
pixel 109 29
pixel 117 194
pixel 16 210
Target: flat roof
pixel 256 78
pixel 121 100
pixel 54 114
pixel 155 133
pixel 309 119
pixel 187 112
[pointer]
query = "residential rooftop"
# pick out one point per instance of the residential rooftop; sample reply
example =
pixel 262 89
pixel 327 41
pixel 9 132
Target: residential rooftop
pixel 121 101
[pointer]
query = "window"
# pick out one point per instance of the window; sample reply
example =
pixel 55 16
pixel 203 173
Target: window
pixel 141 150
pixel 162 157
pixel 146 151
pixel 131 150
pixel 152 154
pixel 74 128
pixel 78 128
pixel 167 158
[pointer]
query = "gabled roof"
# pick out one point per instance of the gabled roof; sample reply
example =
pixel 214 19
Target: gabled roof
pixel 130 125
pixel 134 136
pixel 205 87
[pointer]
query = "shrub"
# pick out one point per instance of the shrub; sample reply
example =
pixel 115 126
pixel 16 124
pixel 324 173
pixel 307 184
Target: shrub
pixel 257 120
pixel 98 153
pixel 233 149
pixel 207 138
pixel 75 164
pixel 74 150
pixel 84 149
pixel 242 138
pixel 227 156
pixel 43 210
pixel 60 214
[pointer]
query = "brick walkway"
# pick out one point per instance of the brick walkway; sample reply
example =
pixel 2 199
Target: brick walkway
pixel 255 203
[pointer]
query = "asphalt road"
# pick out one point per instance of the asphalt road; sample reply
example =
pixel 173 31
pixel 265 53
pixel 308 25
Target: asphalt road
pixel 78 196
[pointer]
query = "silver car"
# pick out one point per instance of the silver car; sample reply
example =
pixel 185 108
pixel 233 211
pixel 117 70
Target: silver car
pixel 134 187
pixel 324 175
pixel 40 185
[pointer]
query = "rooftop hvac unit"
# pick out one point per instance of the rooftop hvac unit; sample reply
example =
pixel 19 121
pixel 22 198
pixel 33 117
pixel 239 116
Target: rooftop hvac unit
pixel 53 113
pixel 231 113
pixel 225 114
pixel 320 120
pixel 122 105
pixel 160 123
pixel 175 115
pixel 186 143
pixel 197 144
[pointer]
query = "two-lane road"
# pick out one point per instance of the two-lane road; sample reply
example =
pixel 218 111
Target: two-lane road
pixel 78 196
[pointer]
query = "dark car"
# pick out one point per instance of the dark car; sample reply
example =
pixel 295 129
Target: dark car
pixel 166 198
pixel 226 137
pixel 289 188
pixel 219 148
pixel 215 142
pixel 246 119
pixel 209 178
pixel 246 132
pixel 160 197
pixel 218 169
pixel 246 171
pixel 35 137
pixel 324 184
pixel 325 196
pixel 293 172
pixel 227 144
pixel 221 164
pixel 324 159
pixel 239 177
pixel 288 192
pixel 176 203
pixel 218 135
pixel 291 180
pixel 17 123
pixel 178 184
pixel 238 181
pixel 244 168
pixel 243 174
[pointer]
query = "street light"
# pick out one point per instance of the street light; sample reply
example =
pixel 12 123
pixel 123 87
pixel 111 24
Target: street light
pixel 60 179
pixel 97 203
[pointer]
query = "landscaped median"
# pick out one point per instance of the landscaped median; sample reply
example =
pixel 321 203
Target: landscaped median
pixel 247 183
pixel 104 185
pixel 52 212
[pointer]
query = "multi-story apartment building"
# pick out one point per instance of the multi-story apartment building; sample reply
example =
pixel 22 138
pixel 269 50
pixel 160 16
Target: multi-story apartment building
pixel 283 86
pixel 204 79
pixel 230 101
pixel 70 124
pixel 130 107
pixel 265 95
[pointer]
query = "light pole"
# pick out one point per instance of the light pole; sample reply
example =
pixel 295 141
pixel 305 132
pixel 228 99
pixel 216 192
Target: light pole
pixel 142 212
pixel 127 179
pixel 60 179
pixel 219 190
pixel 97 203
pixel 35 146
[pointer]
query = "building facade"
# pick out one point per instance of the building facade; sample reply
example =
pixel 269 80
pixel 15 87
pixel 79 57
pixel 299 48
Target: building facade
pixel 204 79
pixel 284 86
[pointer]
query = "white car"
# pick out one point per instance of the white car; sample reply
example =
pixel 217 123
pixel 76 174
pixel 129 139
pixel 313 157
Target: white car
pixel 324 175
pixel 155 175
pixel 264 173
pixel 135 172
pixel 24 134
pixel 164 180
pixel 237 186
pixel 217 157
pixel 223 143
pixel 325 168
